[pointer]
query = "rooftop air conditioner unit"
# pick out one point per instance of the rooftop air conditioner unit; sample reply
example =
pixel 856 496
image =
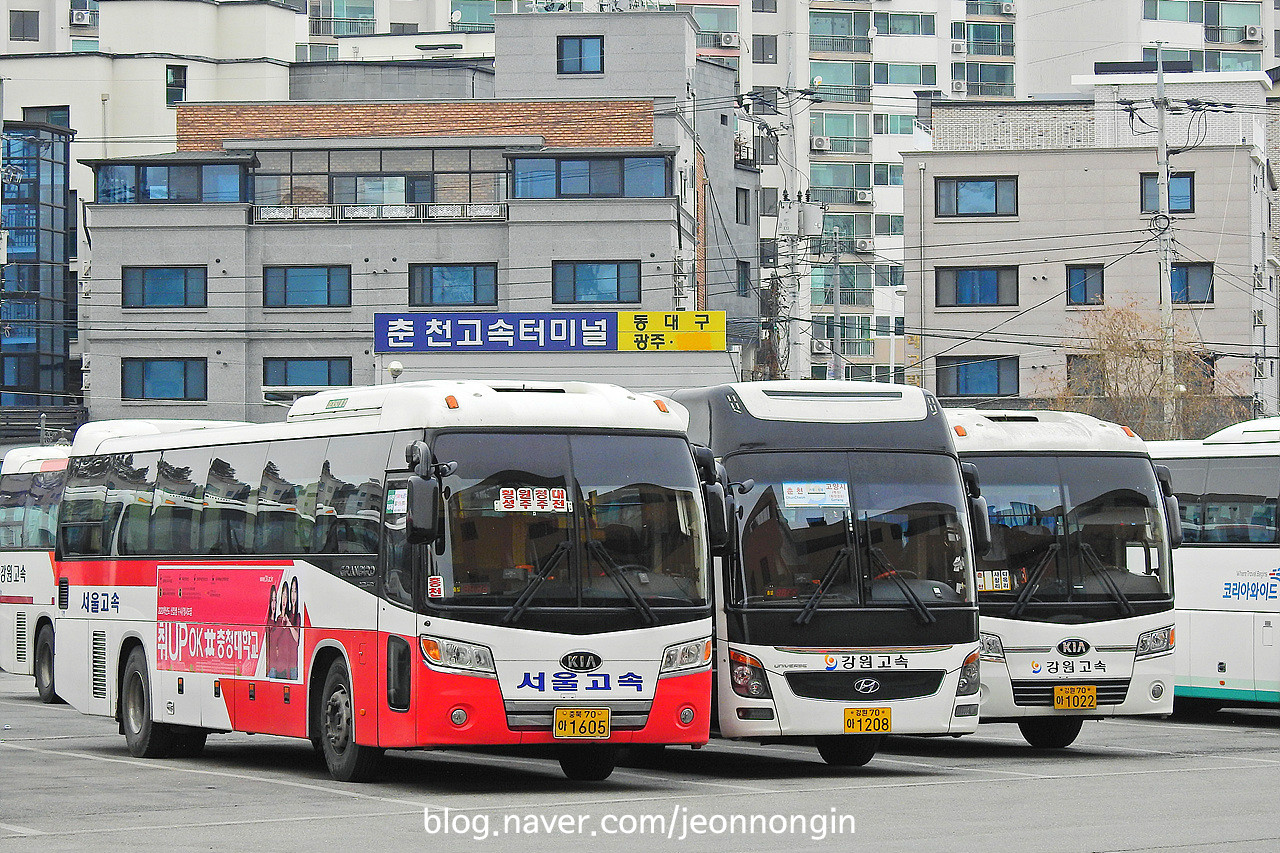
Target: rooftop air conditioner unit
pixel 1008 9
pixel 819 346
pixel 81 17
pixel 863 245
pixel 957 47
pixel 958 86
pixel 730 40
pixel 863 196
pixel 819 143
pixel 1252 33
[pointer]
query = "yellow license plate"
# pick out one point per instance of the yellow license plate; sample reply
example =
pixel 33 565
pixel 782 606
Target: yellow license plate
pixel 866 721
pixel 1075 697
pixel 591 723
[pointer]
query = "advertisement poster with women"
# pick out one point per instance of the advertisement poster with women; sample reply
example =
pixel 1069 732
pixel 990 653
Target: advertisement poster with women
pixel 230 620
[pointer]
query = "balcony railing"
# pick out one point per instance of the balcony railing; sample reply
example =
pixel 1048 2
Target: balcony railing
pixel 984 7
pixel 1001 90
pixel 839 44
pixel 264 214
pixel 826 245
pixel 836 195
pixel 848 296
pixel 342 26
pixel 845 94
pixel 850 145
pixel 714 39
pixel 1228 35
pixel 990 48
pixel 83 17
pixel 467 27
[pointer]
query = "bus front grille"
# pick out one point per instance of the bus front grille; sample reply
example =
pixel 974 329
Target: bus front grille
pixel 1039 694
pixel 624 715
pixel 866 685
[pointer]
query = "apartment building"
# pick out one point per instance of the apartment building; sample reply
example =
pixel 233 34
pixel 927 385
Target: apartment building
pixel 1026 217
pixel 313 244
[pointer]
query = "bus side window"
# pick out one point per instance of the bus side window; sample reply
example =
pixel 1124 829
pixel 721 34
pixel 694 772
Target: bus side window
pixel 397 572
pixel 83 510
pixel 41 523
pixel 231 499
pixel 349 494
pixel 285 521
pixel 179 501
pixel 15 494
pixel 129 497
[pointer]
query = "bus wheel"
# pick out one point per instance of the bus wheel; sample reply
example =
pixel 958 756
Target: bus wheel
pixel 44 666
pixel 591 763
pixel 1050 732
pixel 847 750
pixel 146 738
pixel 189 742
pixel 347 760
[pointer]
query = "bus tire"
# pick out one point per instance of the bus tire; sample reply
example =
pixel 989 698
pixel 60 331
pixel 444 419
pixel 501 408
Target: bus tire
pixel 44 666
pixel 189 742
pixel 588 763
pixel 1050 732
pixel 145 737
pixel 347 760
pixel 847 750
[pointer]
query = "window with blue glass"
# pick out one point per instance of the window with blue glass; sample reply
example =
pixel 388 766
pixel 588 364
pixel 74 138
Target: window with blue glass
pixel 163 378
pixel 594 177
pixel 973 286
pixel 591 281
pixel 977 376
pixel 1192 284
pixel 1182 193
pixel 1084 284
pixel 308 372
pixel 977 197
pixel 580 54
pixel 306 287
pixel 744 278
pixel 129 183
pixel 164 287
pixel 453 284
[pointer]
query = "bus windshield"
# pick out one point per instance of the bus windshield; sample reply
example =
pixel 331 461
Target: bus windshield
pixel 570 521
pixel 1073 529
pixel 851 529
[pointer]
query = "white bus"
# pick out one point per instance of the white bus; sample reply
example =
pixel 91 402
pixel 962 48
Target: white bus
pixel 420 565
pixel 846 610
pixel 1228 570
pixel 30 488
pixel 1076 593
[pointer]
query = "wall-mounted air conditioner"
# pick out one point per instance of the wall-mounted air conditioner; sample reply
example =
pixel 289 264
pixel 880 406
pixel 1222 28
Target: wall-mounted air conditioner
pixel 958 86
pixel 819 143
pixel 1008 9
pixel 1252 33
pixel 81 17
pixel 818 346
pixel 957 47
pixel 864 246
pixel 863 196
pixel 730 40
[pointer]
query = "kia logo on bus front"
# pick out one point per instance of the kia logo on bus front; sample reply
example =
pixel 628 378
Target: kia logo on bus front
pixel 866 685
pixel 1073 647
pixel 581 661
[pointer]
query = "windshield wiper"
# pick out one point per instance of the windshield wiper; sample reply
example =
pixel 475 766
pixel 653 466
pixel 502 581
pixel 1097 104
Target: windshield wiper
pixel 612 570
pixel 828 578
pixel 922 611
pixel 522 601
pixel 1095 564
pixel 1033 580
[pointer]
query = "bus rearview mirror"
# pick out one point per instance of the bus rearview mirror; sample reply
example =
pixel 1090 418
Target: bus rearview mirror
pixel 981 524
pixel 717 519
pixel 1173 520
pixel 423 510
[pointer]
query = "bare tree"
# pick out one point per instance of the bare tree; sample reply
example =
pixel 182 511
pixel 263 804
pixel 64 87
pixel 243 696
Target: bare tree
pixel 1114 374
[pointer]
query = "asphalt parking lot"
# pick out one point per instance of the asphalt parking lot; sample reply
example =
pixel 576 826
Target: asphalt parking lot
pixel 1203 784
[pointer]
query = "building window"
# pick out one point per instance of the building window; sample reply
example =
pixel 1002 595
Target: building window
pixel 175 84
pixel 580 55
pixel 128 184
pixel 383 189
pixel 403 29
pixel 163 378
pixel 904 24
pixel 60 116
pixel 889 224
pixel 766 147
pixel 744 278
pixel 764 50
pixel 1192 284
pixel 898 125
pixel 972 286
pixel 887 174
pixel 164 287
pixel 904 74
pixel 977 376
pixel 24 25
pixel 1182 192
pixel 1173 10
pixel 306 287
pixel 768 253
pixel 763 100
pixel 977 197
pixel 307 372
pixel 574 282
pixel 742 206
pixel 764 5
pixel 984 78
pixel 1084 284
pixel 598 177
pixel 768 201
pixel 846 133
pixel 453 284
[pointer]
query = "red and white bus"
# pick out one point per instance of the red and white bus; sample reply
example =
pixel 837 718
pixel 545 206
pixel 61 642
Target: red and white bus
pixel 420 565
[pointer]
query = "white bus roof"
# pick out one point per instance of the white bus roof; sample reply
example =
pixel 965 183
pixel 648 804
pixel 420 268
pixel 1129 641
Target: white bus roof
pixel 810 401
pixel 1258 438
pixel 92 434
pixel 987 430
pixel 417 405
pixel 27 460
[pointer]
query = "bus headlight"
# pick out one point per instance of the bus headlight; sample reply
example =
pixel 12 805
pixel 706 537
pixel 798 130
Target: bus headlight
pixel 684 656
pixel 748 676
pixel 457 655
pixel 970 677
pixel 990 647
pixel 1152 643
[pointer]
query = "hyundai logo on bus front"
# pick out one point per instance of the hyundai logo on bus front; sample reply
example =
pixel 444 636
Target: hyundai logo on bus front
pixel 1073 647
pixel 866 685
pixel 581 661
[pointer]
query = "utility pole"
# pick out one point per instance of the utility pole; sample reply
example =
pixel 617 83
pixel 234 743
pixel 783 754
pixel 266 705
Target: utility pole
pixel 836 370
pixel 1165 236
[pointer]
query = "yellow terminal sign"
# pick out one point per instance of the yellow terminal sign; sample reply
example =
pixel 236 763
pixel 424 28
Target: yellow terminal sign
pixel 671 331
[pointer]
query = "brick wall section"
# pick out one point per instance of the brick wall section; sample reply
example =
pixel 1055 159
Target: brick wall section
pixel 569 124
pixel 1016 127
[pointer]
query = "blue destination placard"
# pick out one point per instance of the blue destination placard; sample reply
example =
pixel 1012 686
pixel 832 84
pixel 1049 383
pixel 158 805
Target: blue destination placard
pixel 522 331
